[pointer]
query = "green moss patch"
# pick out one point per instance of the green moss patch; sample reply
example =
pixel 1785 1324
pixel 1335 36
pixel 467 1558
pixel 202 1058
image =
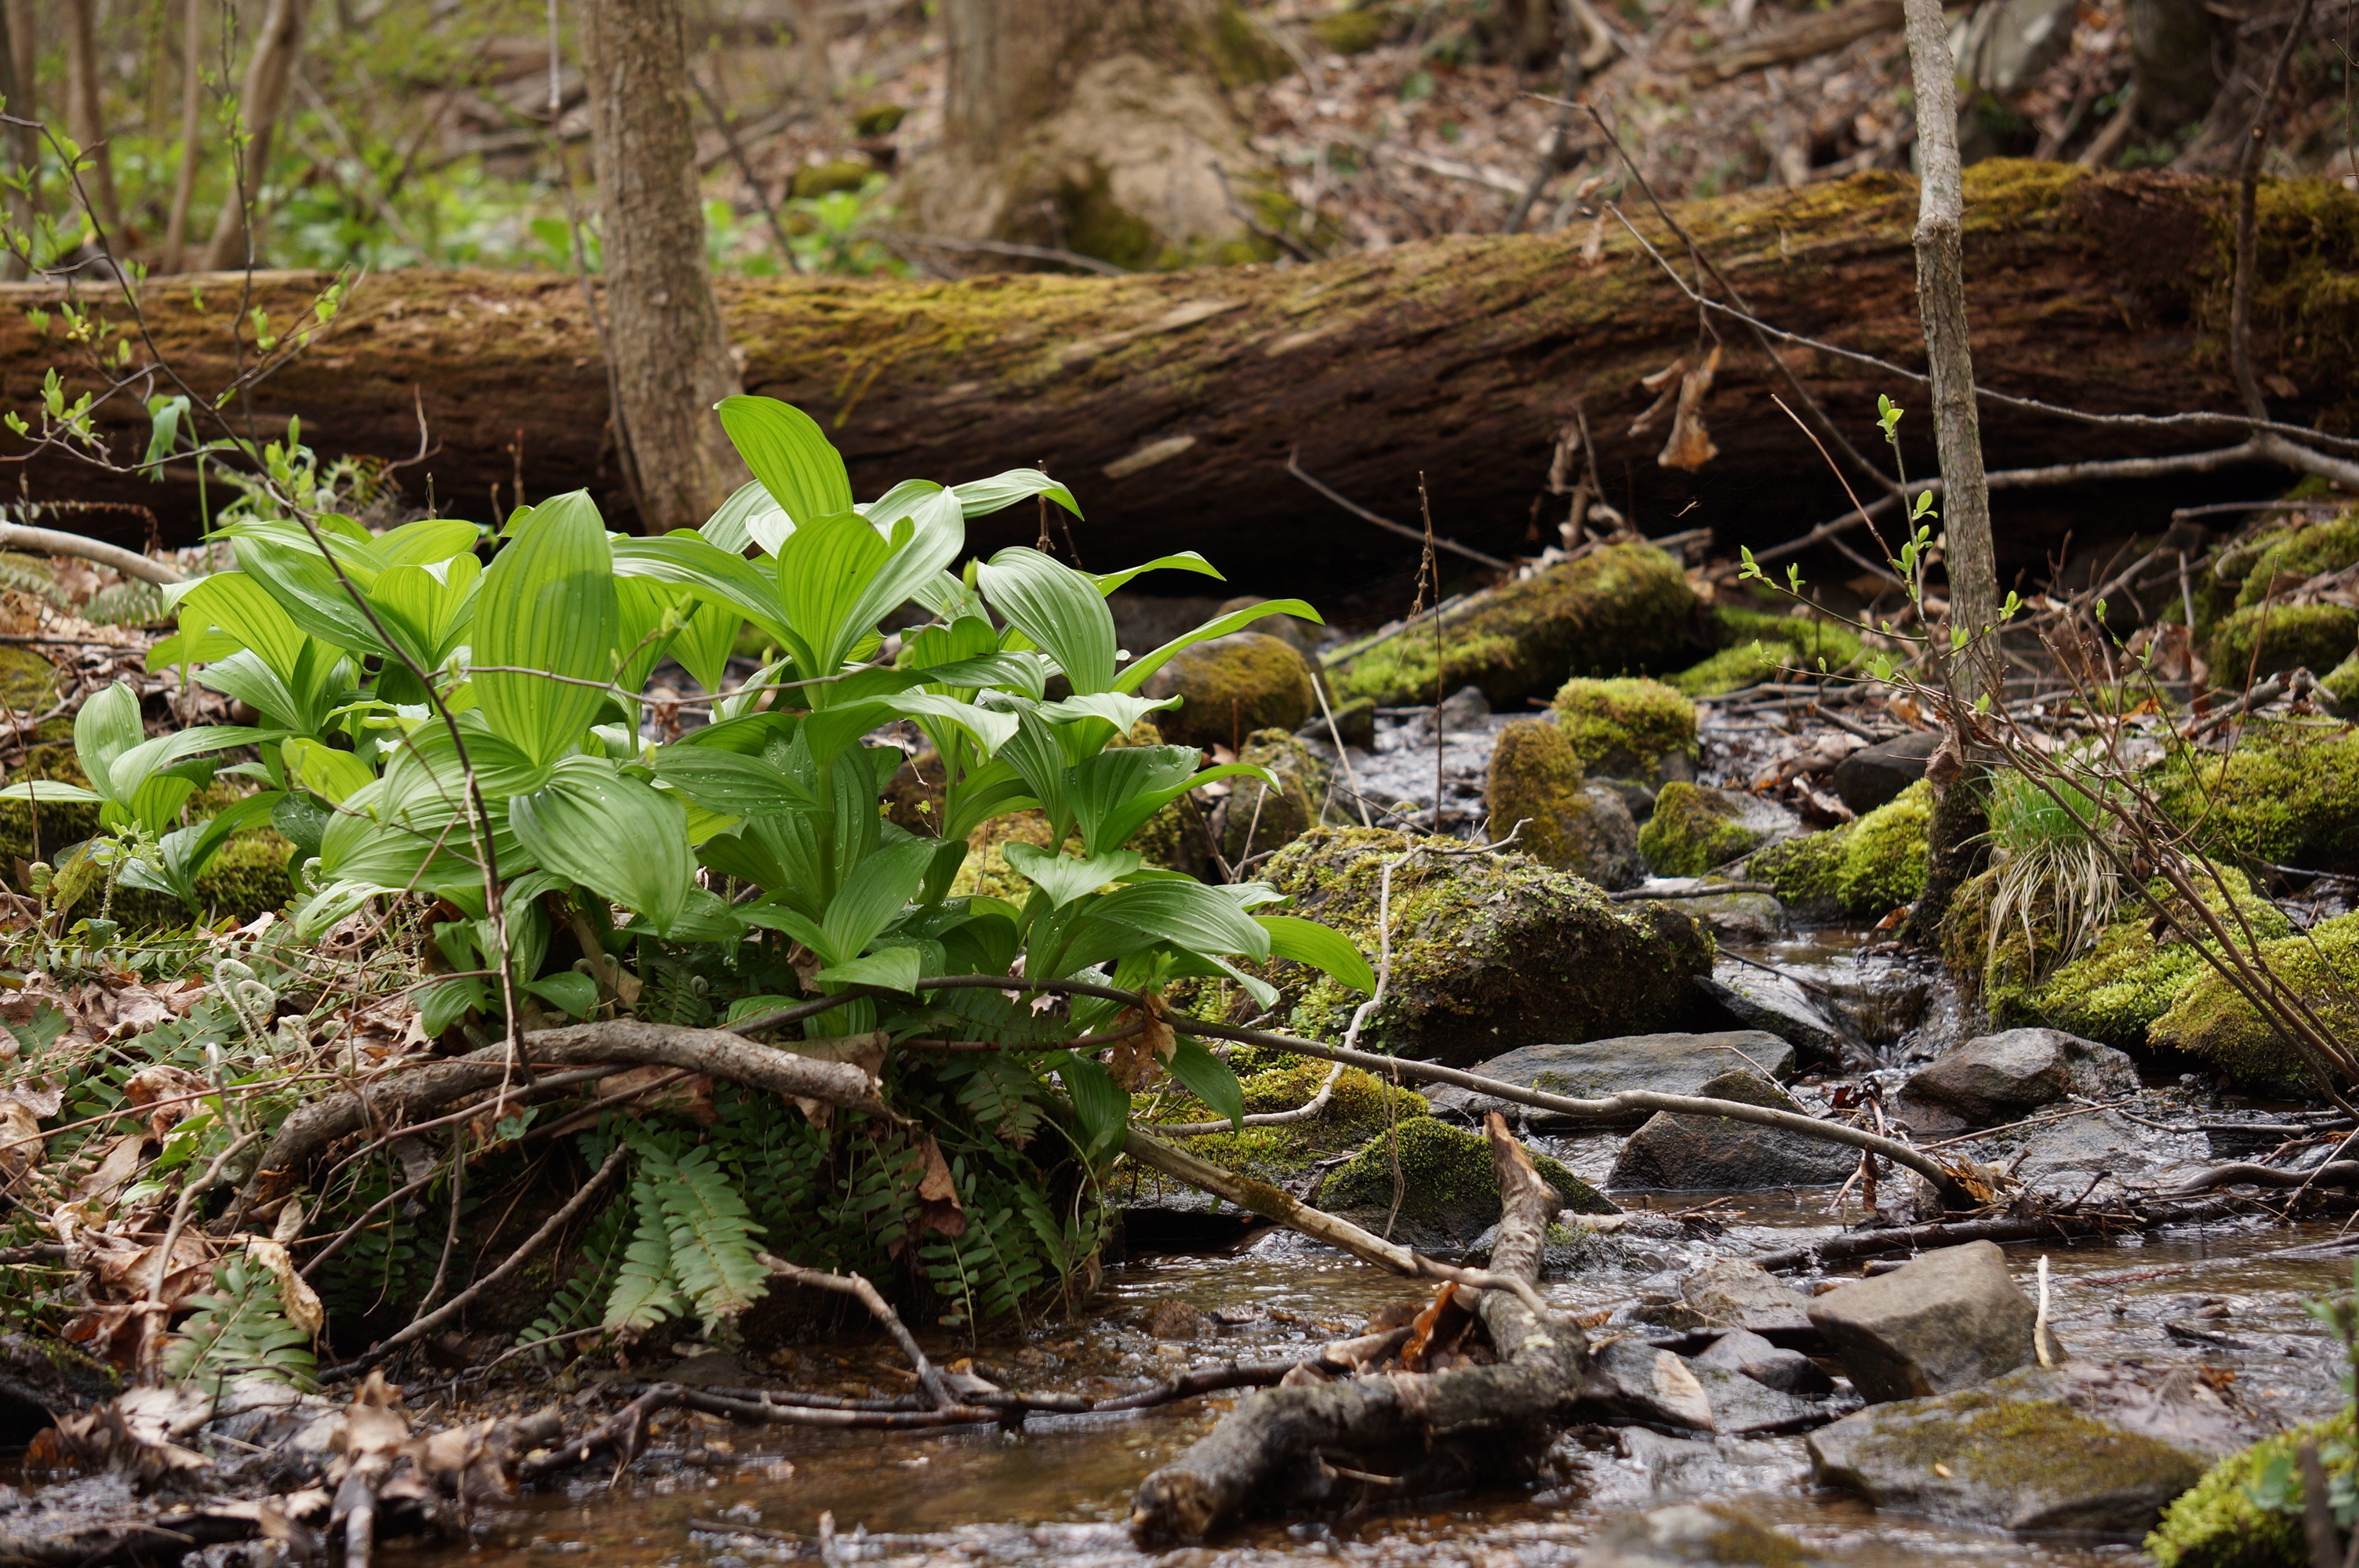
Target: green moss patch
pixel 2221 1523
pixel 1755 645
pixel 2261 640
pixel 1870 867
pixel 1446 1183
pixel 2211 1021
pixel 2287 794
pixel 1624 728
pixel 1693 830
pixel 1232 688
pixel 1617 611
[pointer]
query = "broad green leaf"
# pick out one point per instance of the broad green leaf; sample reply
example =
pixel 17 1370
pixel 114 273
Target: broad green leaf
pixel 824 571
pixel 1135 673
pixel 892 969
pixel 1099 1105
pixel 1187 914
pixel 982 497
pixel 988 728
pixel 290 567
pixel 716 576
pixel 53 791
pixel 327 772
pixel 1065 879
pixel 1186 561
pixel 790 455
pixel 898 502
pixel 239 605
pixel 428 608
pixel 872 895
pixel 609 832
pixel 928 540
pixel 1320 946
pixel 129 770
pixel 1060 609
pixel 729 783
pixel 575 992
pixel 731 528
pixel 547 605
pixel 1209 1079
pixel 426 542
pixel 1117 709
pixel 705 643
pixel 107 727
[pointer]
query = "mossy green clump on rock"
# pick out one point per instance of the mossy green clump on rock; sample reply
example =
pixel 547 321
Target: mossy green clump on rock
pixel 1620 609
pixel 50 756
pixel 1449 1193
pixel 250 875
pixel 1489 952
pixel 28 683
pixel 826 179
pixel 1536 782
pixel 2114 993
pixel 1757 645
pixel 1693 830
pixel 2261 640
pixel 986 871
pixel 2341 683
pixel 1354 1113
pixel 1231 688
pixel 1884 854
pixel 1632 729
pixel 2286 560
pixel 1801 868
pixel 1354 31
pixel 1256 820
pixel 2218 1523
pixel 879 119
pixel 2287 794
pixel 2211 1021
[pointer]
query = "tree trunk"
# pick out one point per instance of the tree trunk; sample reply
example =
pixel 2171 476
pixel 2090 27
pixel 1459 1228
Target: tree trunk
pixel 269 76
pixel 192 102
pixel 2170 63
pixel 15 44
pixel 1940 244
pixel 663 329
pixel 86 114
pixel 1171 403
pixel 1094 127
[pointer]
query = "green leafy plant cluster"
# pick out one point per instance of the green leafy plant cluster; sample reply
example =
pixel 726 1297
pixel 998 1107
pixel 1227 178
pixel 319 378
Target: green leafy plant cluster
pixel 433 731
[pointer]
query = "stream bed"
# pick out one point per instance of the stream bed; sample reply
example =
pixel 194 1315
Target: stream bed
pixel 2218 1301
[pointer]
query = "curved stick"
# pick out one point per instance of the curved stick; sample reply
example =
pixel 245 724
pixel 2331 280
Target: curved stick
pixel 55 542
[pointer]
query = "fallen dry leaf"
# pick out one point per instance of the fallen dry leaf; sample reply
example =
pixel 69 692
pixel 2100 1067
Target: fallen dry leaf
pixel 173 1093
pixel 296 1296
pixel 20 1142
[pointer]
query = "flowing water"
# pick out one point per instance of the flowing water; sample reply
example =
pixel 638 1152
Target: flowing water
pixel 1058 1491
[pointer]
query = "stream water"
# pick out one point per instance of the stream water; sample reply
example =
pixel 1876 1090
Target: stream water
pixel 1059 1490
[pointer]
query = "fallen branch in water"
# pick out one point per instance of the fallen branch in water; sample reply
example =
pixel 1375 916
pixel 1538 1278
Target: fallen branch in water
pixel 2334 1173
pixel 930 1377
pixel 1301 1441
pixel 2039 1227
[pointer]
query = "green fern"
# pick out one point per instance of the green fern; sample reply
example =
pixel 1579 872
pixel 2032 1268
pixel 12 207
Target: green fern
pixel 133 604
pixel 580 1302
pixel 240 1329
pixel 714 1256
pixel 645 1293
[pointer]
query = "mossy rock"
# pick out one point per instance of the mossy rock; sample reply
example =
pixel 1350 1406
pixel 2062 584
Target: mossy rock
pixel 1356 31
pixel 1618 611
pixel 1449 1193
pixel 1256 820
pixel 2341 683
pixel 2287 794
pixel 1489 952
pixel 1231 688
pixel 1693 830
pixel 249 876
pixel 63 824
pixel 1627 728
pixel 2212 1022
pixel 1355 1112
pixel 879 119
pixel 2114 993
pixel 28 683
pixel 2217 1523
pixel 2260 641
pixel 986 871
pixel 2286 560
pixel 1534 786
pixel 1755 645
pixel 1870 867
pixel 826 179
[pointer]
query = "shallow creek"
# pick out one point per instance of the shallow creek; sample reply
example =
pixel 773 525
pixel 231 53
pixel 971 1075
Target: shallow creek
pixel 1058 1491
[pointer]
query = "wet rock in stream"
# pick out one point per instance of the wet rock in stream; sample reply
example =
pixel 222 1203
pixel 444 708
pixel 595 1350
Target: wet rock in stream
pixel 1715 1153
pixel 1686 1535
pixel 1671 1064
pixel 1733 1293
pixel 2001 1077
pixel 1951 1319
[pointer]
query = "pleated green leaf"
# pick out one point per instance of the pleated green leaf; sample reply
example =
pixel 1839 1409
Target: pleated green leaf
pixel 622 839
pixel 547 605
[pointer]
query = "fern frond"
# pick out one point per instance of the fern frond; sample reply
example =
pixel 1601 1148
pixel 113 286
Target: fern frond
pixel 645 1293
pixel 714 1255
pixel 240 1329
pixel 580 1302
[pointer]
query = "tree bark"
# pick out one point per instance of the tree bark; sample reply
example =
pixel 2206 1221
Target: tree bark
pixel 86 112
pixel 1171 403
pixel 269 76
pixel 2170 63
pixel 192 102
pixel 663 328
pixel 15 44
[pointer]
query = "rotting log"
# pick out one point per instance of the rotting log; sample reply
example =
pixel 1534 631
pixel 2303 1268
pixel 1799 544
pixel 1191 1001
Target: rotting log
pixel 1172 401
pixel 1312 1441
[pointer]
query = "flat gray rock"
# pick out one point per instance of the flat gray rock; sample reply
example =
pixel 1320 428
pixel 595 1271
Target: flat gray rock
pixel 1733 1292
pixel 2004 1077
pixel 2019 1453
pixel 1950 1320
pixel 1673 1153
pixel 1742 1351
pixel 1665 1064
pixel 1777 1005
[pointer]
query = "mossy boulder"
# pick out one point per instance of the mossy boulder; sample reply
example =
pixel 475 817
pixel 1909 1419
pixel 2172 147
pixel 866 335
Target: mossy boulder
pixel 1231 688
pixel 2112 993
pixel 1489 951
pixel 2211 1021
pixel 50 756
pixel 1619 610
pixel 826 179
pixel 1693 830
pixel 2219 1523
pixel 1254 819
pixel 1755 645
pixel 2260 640
pixel 1357 1112
pixel 1870 867
pixel 1449 1194
pixel 252 875
pixel 1628 728
pixel 2287 794
pixel 986 871
pixel 2285 560
pixel 2341 683
pixel 28 683
pixel 1535 781
pixel 1355 30
pixel 1802 869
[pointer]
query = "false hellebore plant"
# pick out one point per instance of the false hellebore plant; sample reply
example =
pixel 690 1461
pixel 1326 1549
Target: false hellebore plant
pixel 758 836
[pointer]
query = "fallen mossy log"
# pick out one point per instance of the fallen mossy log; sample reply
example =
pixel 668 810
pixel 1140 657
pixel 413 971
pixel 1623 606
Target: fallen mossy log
pixel 2104 290
pixel 1301 1442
